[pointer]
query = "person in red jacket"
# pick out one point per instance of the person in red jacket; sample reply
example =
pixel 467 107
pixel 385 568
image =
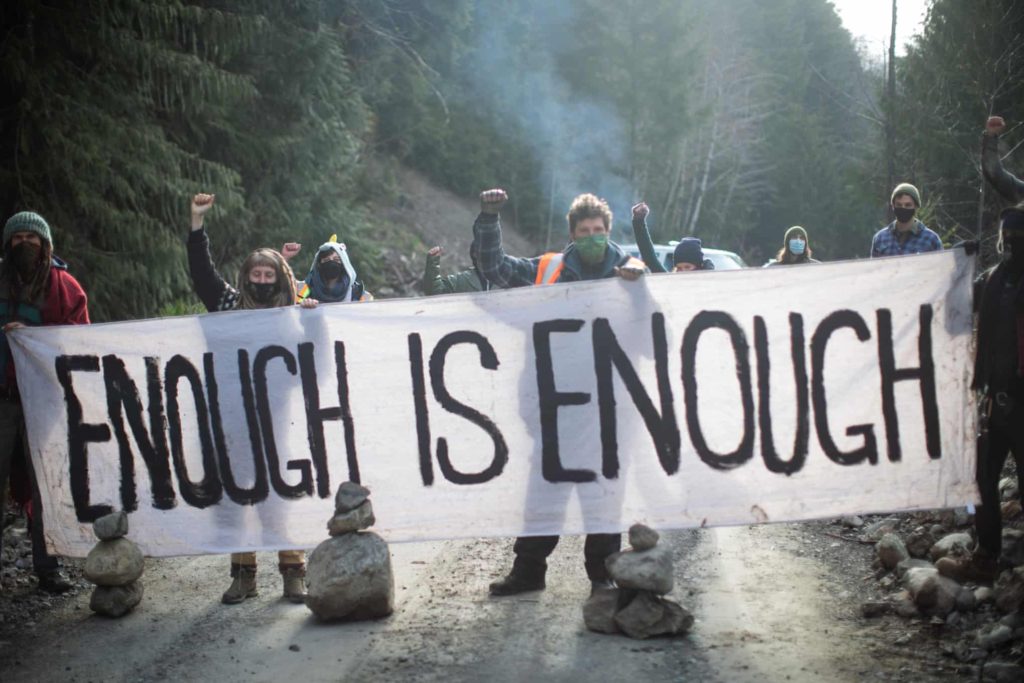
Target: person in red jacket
pixel 35 289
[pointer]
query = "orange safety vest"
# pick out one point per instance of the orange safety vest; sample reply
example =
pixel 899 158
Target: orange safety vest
pixel 549 268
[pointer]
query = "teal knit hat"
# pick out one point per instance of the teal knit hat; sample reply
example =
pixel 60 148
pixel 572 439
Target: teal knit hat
pixel 27 221
pixel 906 188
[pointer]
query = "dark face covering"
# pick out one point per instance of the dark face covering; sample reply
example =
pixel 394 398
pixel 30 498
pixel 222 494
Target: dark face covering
pixel 261 292
pixel 904 215
pixel 25 257
pixel 330 270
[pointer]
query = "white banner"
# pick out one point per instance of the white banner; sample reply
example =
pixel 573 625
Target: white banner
pixel 680 400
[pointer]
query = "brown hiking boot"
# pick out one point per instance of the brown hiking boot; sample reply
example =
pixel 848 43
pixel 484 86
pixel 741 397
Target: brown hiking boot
pixel 294 583
pixel 515 583
pixel 243 586
pixel 976 568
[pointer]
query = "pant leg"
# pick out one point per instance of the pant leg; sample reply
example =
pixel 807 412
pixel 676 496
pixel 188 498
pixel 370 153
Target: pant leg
pixel 596 550
pixel 532 554
pixel 42 561
pixel 244 559
pixel 10 418
pixel 291 559
pixel 993 447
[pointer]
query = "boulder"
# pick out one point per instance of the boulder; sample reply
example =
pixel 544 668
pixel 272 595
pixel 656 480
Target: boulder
pixel 1009 590
pixel 648 570
pixel 1008 488
pixel 599 611
pixel 993 637
pixel 350 577
pixel 112 526
pixel 873 532
pixel 906 565
pixel 852 522
pixel 648 615
pixel 642 537
pixel 114 563
pixel 354 520
pixel 115 601
pixel 919 542
pixel 1013 547
pixel 891 551
pixel 933 594
pixel 965 601
pixel 350 496
pixel 984 595
pixel 958 544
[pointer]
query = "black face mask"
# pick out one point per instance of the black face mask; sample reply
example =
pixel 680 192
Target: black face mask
pixel 904 215
pixel 1015 247
pixel 261 292
pixel 330 270
pixel 25 257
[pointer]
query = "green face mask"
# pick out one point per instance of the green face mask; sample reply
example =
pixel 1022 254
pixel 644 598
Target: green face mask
pixel 591 248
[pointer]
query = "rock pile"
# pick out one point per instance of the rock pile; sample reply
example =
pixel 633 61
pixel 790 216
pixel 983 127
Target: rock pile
pixel 115 566
pixel 349 575
pixel 979 623
pixel 636 608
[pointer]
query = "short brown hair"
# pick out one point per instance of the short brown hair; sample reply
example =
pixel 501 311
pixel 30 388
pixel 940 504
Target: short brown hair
pixel 589 206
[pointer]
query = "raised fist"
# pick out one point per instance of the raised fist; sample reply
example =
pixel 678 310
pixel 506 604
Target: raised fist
pixel 641 211
pixel 995 125
pixel 290 249
pixel 201 203
pixel 436 251
pixel 491 201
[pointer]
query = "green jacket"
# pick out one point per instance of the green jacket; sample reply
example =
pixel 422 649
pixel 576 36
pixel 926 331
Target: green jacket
pixel 457 283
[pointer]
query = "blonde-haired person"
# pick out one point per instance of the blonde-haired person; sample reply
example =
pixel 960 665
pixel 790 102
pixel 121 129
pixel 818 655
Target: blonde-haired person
pixel 264 281
pixel 796 248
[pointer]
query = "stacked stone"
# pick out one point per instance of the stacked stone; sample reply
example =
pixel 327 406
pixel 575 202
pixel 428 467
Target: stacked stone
pixel 349 575
pixel 114 565
pixel 637 608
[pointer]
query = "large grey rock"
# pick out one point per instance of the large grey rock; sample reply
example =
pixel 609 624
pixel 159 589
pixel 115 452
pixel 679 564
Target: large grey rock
pixel 1008 488
pixel 642 537
pixel 599 611
pixel 116 601
pixel 1003 672
pixel 919 542
pixel 983 595
pixel 958 544
pixel 934 594
pixel 647 615
pixel 349 577
pixel 891 551
pixel 353 520
pixel 114 563
pixel 906 565
pixel 1013 547
pixel 965 601
pixel 109 527
pixel 873 532
pixel 852 522
pixel 991 638
pixel 649 570
pixel 350 496
pixel 1009 589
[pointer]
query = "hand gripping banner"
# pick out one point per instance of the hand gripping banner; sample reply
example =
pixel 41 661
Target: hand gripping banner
pixel 685 400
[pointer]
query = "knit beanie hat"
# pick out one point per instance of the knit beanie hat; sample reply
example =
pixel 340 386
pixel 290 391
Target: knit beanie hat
pixel 795 231
pixel 906 188
pixel 27 221
pixel 689 250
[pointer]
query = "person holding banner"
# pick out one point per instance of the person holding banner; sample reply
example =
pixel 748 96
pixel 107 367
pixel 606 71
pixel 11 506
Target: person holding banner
pixel 35 289
pixel 796 248
pixel 471 280
pixel 905 235
pixel 332 278
pixel 264 281
pixel 590 255
pixel 688 254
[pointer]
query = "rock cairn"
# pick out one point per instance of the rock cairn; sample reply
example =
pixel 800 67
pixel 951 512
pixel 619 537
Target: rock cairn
pixel 637 607
pixel 114 566
pixel 349 575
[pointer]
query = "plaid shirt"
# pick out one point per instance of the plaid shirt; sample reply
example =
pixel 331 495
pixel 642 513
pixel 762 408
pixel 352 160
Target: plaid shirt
pixel 921 239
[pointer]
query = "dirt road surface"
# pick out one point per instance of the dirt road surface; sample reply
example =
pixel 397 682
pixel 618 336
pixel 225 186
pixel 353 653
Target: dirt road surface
pixel 769 606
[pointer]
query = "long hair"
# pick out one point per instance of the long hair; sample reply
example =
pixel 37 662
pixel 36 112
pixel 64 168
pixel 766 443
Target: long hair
pixel 284 291
pixel 786 256
pixel 34 290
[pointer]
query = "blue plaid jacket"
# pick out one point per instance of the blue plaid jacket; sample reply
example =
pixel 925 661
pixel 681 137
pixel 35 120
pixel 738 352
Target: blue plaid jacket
pixel 921 239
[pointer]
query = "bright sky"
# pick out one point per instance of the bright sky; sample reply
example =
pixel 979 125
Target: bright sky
pixel 870 21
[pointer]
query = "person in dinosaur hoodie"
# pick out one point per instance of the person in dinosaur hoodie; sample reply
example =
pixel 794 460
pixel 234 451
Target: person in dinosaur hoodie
pixel 35 289
pixel 332 278
pixel 589 256
pixel 264 281
pixel 471 280
pixel 796 248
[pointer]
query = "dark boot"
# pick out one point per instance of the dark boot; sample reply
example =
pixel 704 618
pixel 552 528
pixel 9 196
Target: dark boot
pixel 517 582
pixel 243 586
pixel 294 577
pixel 54 581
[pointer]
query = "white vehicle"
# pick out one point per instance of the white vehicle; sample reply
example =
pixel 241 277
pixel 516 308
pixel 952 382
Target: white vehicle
pixel 723 260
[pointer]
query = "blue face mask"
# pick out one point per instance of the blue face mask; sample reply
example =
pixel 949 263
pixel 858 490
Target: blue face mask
pixel 797 246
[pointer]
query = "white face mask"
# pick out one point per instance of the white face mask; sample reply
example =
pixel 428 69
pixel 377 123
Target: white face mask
pixel 797 246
